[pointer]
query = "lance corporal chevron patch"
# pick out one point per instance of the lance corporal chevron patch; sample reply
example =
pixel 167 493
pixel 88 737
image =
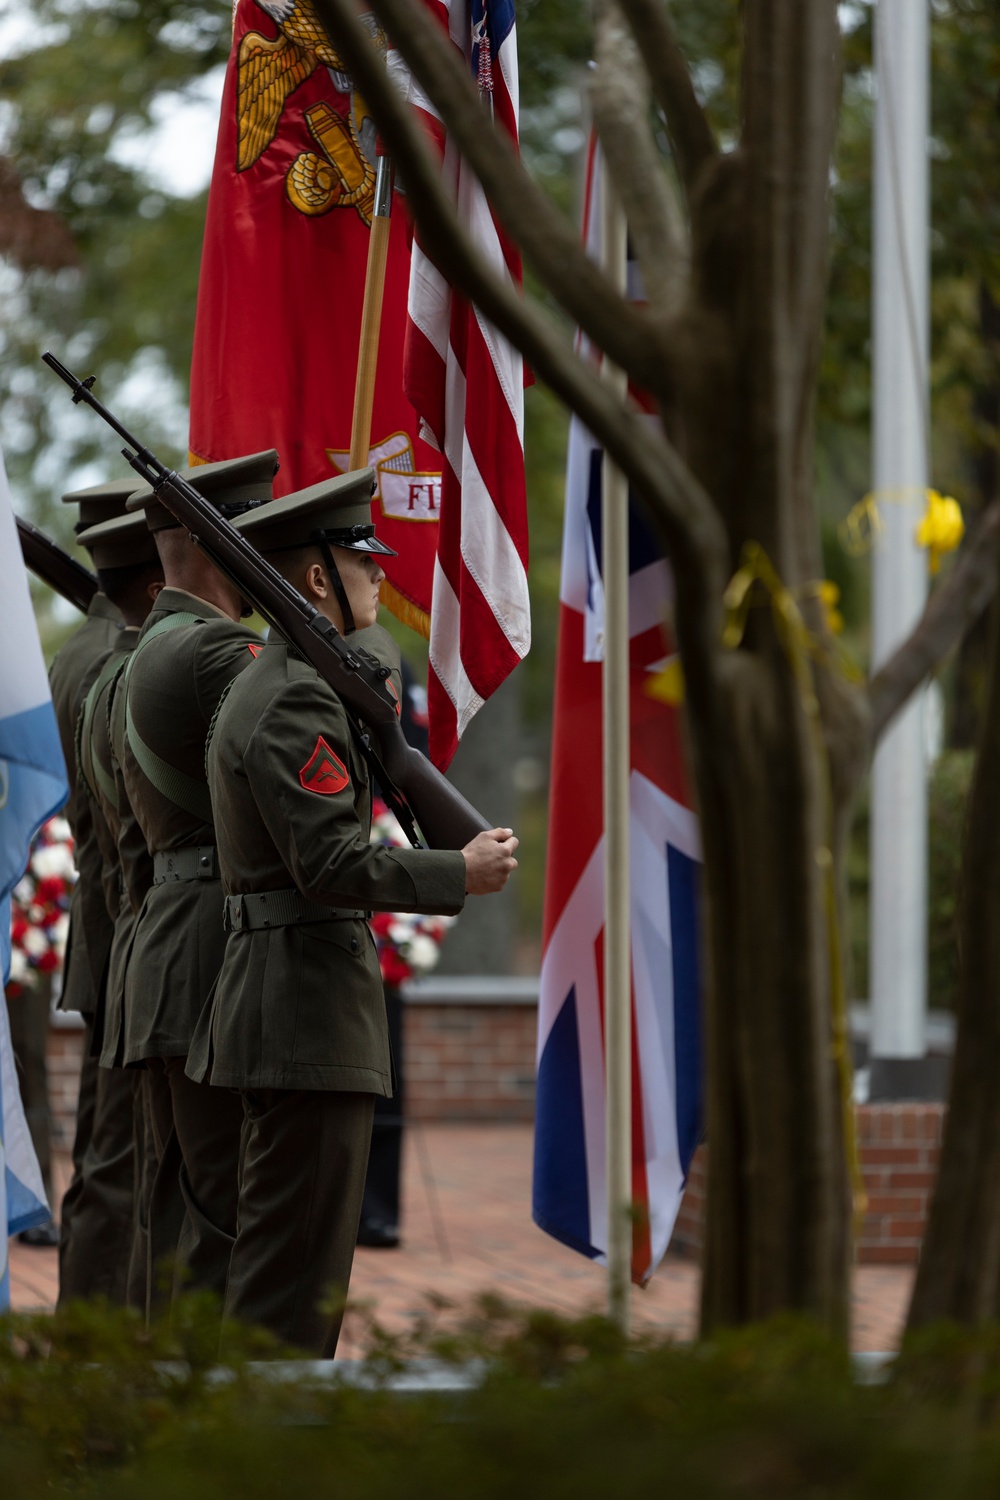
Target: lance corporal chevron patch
pixel 324 772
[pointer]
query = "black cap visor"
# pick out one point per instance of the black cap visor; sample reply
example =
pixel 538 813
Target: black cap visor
pixel 356 539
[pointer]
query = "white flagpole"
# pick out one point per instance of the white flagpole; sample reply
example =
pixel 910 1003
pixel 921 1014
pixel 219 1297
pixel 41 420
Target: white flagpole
pixel 617 945
pixel 900 443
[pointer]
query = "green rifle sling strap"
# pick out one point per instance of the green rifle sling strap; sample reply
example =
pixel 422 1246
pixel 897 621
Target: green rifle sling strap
pixel 177 786
pixel 94 774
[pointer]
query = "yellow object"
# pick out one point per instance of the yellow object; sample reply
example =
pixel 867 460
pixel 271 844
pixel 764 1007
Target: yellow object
pixel 667 685
pixel 860 528
pixel 942 527
pixel 828 594
pixel 800 646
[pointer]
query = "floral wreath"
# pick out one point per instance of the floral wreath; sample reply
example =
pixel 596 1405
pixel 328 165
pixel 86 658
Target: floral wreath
pixel 407 944
pixel 39 907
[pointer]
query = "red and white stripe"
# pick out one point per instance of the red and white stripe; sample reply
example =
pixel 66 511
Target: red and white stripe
pixel 467 385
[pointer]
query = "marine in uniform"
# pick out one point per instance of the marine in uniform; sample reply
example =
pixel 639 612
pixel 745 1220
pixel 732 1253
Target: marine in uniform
pixel 189 650
pixel 73 670
pixel 297 1021
pixel 123 551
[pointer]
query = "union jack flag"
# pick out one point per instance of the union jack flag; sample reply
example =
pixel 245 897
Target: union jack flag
pixel 467 385
pixel 570 1198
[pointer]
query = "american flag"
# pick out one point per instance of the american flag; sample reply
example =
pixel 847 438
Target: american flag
pixel 569 1196
pixel 467 385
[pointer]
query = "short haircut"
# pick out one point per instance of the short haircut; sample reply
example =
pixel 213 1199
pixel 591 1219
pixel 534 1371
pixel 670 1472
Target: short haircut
pixel 126 587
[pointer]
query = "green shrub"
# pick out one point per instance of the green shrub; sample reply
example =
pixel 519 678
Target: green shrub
pixel 947 795
pixel 91 1405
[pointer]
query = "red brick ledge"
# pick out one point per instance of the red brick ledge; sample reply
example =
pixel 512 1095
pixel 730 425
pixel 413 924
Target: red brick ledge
pixel 899 1146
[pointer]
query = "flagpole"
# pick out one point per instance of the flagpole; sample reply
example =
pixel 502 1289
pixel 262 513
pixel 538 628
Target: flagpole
pixel 371 316
pixel 617 945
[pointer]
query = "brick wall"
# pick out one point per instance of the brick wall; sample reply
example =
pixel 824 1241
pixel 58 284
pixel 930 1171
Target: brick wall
pixel 899 1146
pixel 64 1056
pixel 469 1062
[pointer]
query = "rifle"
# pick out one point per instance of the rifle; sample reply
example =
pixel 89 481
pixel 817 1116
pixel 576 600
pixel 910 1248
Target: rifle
pixel 53 566
pixel 412 787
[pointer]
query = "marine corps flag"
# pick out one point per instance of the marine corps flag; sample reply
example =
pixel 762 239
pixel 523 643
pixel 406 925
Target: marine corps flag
pixel 282 282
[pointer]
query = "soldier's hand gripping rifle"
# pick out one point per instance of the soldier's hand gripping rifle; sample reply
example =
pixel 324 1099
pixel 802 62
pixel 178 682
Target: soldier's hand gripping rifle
pixel 53 566
pixel 409 783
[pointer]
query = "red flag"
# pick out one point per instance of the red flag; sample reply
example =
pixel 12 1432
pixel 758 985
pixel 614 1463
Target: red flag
pixel 282 283
pixel 467 383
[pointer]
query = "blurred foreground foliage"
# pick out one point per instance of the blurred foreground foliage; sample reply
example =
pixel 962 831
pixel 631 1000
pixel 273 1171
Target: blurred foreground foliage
pixel 91 1404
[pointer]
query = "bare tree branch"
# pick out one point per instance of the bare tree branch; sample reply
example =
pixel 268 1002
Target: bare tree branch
pixel 33 238
pixel 690 133
pixel 549 243
pixel 619 95
pixel 684 516
pixel 951 610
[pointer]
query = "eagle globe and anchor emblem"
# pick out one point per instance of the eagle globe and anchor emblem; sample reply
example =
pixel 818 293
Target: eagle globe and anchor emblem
pixel 340 173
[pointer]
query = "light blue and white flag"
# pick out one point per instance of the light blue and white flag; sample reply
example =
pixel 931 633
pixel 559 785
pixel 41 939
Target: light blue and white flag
pixel 32 788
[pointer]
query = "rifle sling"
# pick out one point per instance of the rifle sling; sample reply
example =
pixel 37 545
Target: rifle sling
pixel 94 774
pixel 177 786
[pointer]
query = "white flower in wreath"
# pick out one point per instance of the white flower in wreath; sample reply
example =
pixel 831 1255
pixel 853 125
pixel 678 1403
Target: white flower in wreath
pixel 60 932
pixel 401 931
pixel 35 943
pixel 53 859
pixel 20 969
pixel 422 953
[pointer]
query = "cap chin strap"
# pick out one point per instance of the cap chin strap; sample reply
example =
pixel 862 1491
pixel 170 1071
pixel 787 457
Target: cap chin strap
pixel 338 583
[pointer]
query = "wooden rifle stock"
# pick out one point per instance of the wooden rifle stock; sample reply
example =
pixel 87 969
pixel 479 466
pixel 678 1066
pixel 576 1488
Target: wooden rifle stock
pixel 409 782
pixel 53 566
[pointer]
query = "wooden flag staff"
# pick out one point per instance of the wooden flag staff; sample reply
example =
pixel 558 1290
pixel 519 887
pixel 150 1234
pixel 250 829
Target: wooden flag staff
pixel 371 316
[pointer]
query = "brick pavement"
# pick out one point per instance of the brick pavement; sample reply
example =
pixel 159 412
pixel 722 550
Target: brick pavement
pixel 468 1229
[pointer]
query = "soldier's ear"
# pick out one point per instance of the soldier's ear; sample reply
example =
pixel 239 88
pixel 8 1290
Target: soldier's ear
pixel 316 584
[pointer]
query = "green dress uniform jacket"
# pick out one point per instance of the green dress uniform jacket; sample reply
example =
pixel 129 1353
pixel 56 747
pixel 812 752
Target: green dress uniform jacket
pixel 300 1006
pixel 172 688
pixel 96 1252
pixel 128 866
pixel 73 671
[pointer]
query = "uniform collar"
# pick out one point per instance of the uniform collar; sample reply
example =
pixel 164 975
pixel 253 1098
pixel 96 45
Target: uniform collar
pixel 101 608
pixel 171 601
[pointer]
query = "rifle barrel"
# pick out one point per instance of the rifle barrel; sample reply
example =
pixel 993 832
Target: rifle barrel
pixel 49 562
pixel 408 780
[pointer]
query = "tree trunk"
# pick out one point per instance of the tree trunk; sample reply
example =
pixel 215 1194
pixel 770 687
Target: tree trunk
pixel 777 1214
pixel 970 666
pixel 776 1230
pixel 959 1272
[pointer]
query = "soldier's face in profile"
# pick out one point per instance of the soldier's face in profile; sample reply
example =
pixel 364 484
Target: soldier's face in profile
pixel 361 575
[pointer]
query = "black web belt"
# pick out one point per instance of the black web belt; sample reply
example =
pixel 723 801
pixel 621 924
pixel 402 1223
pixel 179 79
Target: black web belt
pixel 197 862
pixel 249 913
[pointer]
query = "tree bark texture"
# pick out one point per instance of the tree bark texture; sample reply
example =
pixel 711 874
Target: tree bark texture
pixel 959 1272
pixel 776 1233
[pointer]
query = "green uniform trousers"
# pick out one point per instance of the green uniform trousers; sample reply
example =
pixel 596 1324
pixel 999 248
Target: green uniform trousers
pixel 96 1237
pixel 160 1206
pixel 302 1178
pixel 196 1133
pixel 85 1106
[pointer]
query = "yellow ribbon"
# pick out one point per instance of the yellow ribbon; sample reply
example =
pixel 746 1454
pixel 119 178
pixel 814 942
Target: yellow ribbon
pixel 940 530
pixel 942 527
pixel 799 645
